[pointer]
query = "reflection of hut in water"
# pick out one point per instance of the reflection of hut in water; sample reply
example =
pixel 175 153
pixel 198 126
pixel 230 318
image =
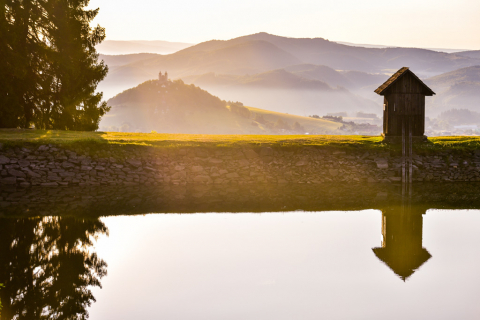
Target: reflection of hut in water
pixel 404 106
pixel 401 248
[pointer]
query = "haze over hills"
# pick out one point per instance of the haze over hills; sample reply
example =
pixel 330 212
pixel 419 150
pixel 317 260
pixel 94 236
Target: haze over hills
pixel 459 89
pixel 475 54
pixel 175 107
pixel 262 52
pixel 114 61
pixel 278 79
pixel 283 91
pixel 373 60
pixel 381 46
pixel 241 58
pixel 296 76
pixel 469 74
pixel 351 80
pixel 140 46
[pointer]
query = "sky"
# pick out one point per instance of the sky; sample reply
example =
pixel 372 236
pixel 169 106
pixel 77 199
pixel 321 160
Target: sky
pixel 451 24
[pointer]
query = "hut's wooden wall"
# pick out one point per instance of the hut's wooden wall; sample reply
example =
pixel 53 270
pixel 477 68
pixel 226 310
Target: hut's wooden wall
pixel 404 100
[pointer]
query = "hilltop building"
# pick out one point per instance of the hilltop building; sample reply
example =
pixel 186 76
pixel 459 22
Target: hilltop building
pixel 163 79
pixel 404 106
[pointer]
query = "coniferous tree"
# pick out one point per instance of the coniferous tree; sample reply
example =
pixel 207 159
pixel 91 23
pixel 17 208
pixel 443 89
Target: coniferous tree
pixel 17 56
pixel 48 53
pixel 297 127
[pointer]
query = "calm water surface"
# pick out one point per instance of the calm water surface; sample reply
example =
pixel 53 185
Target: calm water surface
pixel 293 265
pixel 71 254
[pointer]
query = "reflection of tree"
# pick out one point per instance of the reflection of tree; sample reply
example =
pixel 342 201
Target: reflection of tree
pixel 1 286
pixel 47 267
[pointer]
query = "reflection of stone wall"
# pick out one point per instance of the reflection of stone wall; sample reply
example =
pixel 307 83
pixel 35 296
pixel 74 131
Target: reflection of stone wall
pixel 94 201
pixel 54 166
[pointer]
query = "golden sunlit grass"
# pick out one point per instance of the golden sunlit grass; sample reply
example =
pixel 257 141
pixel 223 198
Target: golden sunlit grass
pixel 311 124
pixel 162 139
pixel 100 139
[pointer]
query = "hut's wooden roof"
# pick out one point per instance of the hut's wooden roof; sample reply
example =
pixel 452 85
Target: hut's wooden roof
pixel 397 75
pixel 402 260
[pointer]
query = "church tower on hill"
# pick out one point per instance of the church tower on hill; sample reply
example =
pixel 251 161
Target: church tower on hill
pixel 162 78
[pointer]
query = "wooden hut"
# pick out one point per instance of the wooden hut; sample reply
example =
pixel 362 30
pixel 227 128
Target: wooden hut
pixel 404 106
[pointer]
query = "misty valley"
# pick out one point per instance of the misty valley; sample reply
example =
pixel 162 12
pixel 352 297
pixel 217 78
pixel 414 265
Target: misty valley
pixel 280 77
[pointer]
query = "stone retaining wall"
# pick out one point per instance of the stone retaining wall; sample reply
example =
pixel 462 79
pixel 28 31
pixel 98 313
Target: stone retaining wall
pixel 50 165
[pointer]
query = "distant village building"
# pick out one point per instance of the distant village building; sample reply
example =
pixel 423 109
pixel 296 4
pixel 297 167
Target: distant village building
pixel 404 106
pixel 163 79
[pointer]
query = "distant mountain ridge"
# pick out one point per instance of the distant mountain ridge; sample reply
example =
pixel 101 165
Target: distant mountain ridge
pixel 380 46
pixel 323 52
pixel 114 47
pixel 239 58
pixel 263 52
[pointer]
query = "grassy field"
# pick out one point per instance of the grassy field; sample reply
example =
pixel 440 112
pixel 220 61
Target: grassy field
pixel 101 139
pixel 310 124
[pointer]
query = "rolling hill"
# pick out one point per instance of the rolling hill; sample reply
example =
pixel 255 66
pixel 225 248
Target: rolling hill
pixel 275 79
pixel 181 108
pixel 459 89
pixel 114 61
pixel 321 73
pixel 351 80
pixel 140 46
pixel 445 80
pixel 287 92
pixel 474 54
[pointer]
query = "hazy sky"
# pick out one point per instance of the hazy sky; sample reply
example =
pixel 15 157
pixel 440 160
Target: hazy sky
pixel 416 23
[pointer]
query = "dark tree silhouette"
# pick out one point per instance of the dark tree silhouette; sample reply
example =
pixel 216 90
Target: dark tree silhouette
pixel 297 127
pixel 49 65
pixel 47 268
pixel 280 124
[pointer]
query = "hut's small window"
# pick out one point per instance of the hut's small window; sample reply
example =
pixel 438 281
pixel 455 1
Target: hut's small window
pixel 384 107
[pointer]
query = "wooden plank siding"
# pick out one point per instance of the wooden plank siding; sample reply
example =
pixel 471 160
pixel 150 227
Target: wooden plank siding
pixel 404 106
pixel 404 101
